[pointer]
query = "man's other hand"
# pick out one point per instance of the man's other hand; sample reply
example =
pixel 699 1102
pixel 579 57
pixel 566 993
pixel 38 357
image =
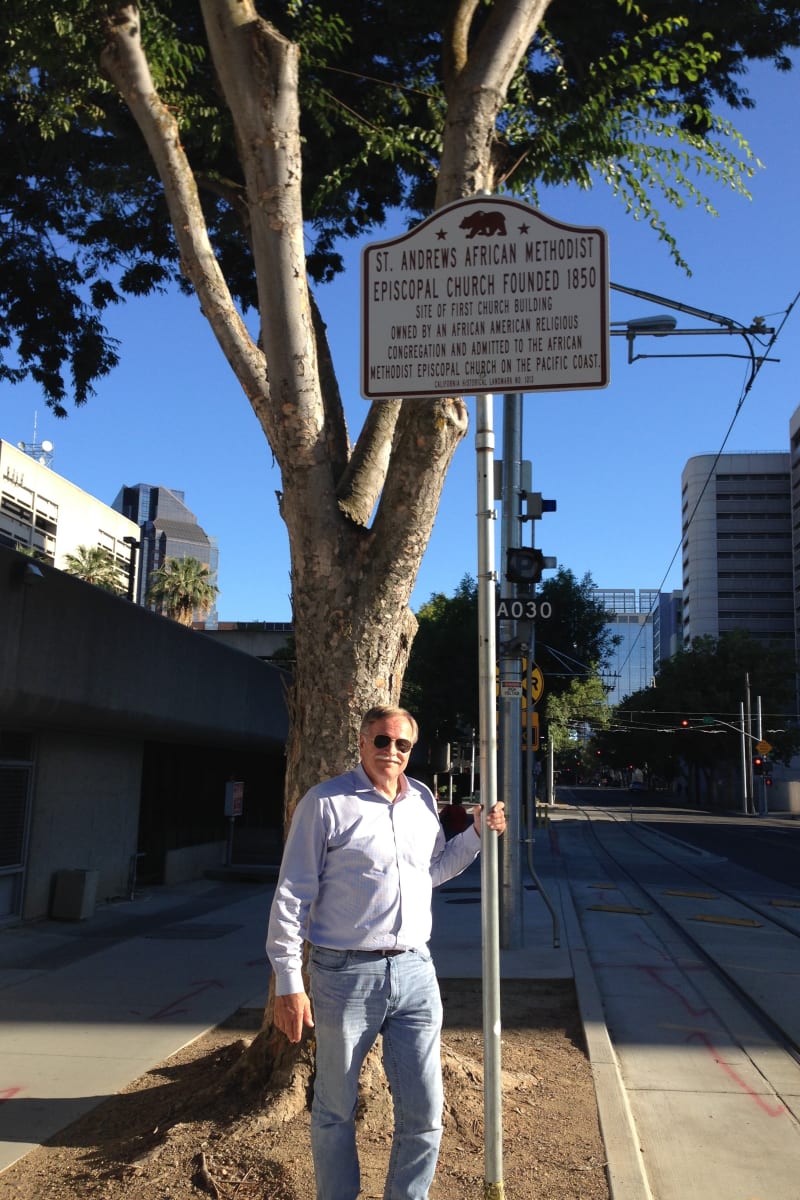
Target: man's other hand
pixel 291 1013
pixel 495 818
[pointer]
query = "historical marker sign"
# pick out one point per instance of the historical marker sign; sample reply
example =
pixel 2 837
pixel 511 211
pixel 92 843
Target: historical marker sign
pixel 486 295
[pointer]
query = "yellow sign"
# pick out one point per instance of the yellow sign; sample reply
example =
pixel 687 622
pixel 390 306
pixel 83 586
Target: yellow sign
pixel 533 725
pixel 763 747
pixel 537 682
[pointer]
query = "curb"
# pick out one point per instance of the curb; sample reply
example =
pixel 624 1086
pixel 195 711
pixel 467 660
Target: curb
pixel 625 1167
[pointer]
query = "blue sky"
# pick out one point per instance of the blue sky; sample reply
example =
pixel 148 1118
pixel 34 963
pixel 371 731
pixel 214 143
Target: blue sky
pixel 173 414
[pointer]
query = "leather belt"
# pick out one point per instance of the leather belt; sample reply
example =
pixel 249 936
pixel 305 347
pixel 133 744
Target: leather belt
pixel 390 953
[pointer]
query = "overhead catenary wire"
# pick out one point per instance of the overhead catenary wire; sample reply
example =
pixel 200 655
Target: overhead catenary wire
pixel 756 364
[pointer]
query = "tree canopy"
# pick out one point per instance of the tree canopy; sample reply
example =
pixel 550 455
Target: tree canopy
pixel 622 96
pixel 182 587
pixel 575 642
pixel 95 564
pixel 441 682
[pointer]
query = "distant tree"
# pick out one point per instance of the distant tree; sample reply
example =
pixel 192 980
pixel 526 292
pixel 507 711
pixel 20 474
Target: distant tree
pixel 32 552
pixel 690 720
pixel 182 588
pixel 95 564
pixel 576 641
pixel 441 680
pixel 578 713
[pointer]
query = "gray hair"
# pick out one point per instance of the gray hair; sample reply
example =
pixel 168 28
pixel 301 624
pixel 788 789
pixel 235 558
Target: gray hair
pixel 383 712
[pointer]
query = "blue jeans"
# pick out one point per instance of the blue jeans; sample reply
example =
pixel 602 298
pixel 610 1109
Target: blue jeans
pixel 357 995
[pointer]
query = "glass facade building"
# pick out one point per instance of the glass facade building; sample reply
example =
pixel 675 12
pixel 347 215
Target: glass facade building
pixel 168 529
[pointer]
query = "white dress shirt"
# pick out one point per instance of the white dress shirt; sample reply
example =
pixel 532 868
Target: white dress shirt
pixel 358 871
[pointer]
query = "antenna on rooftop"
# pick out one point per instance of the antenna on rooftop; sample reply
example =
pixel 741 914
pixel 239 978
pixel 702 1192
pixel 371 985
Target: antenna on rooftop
pixel 41 451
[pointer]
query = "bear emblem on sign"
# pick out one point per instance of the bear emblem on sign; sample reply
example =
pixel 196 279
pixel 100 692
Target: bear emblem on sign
pixel 484 224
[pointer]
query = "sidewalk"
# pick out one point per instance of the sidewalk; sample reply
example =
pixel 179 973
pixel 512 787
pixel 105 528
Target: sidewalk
pixel 87 1007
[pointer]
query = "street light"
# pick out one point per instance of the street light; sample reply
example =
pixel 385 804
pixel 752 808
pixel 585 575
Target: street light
pixel 659 325
pixel 665 325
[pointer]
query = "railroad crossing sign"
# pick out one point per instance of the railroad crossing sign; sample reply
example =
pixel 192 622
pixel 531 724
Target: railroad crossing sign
pixel 537 682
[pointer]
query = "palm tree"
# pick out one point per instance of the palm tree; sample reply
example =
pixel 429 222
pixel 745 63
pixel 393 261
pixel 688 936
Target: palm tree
pixel 181 587
pixel 95 564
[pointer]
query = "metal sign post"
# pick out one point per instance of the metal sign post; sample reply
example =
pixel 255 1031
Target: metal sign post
pixel 490 901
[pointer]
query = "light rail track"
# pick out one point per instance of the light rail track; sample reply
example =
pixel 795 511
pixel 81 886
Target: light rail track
pixel 742 925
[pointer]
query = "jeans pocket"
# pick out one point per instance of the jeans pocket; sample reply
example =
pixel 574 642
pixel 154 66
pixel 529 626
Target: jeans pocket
pixel 329 960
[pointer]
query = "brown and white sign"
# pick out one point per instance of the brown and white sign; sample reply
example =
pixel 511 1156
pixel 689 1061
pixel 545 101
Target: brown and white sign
pixel 486 295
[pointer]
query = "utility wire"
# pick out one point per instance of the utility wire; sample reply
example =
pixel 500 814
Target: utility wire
pixel 756 366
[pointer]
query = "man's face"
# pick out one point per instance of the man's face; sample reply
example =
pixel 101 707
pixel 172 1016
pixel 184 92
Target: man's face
pixel 385 762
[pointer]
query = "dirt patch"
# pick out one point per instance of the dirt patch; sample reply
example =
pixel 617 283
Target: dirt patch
pixel 150 1143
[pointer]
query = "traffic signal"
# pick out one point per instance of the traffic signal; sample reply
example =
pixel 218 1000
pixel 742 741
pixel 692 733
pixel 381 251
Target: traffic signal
pixel 524 564
pixel 758 764
pixel 684 723
pixel 767 773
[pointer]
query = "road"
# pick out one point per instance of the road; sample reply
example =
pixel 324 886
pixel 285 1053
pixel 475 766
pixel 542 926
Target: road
pixel 770 846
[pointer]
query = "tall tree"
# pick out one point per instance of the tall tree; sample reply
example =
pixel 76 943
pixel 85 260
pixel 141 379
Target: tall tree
pixel 95 564
pixel 441 682
pixel 182 587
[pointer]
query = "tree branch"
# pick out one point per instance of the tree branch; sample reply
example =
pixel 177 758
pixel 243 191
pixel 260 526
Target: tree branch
pixel 362 482
pixel 258 71
pixel 124 60
pixel 476 89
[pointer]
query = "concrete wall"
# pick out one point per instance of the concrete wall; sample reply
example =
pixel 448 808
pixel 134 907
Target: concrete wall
pixel 99 684
pixel 85 815
pixel 191 861
pixel 71 654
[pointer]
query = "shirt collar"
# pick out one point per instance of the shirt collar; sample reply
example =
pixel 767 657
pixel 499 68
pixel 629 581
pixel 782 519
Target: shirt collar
pixel 402 782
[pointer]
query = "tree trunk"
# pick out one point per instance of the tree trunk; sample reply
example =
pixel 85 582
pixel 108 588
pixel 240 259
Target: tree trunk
pixel 350 580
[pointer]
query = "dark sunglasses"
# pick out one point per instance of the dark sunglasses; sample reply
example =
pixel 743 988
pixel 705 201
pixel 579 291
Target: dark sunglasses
pixel 382 740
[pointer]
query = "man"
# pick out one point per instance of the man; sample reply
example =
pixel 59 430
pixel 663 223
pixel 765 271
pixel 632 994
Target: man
pixel 364 851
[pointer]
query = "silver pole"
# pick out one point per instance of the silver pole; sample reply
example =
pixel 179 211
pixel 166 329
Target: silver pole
pixel 487 577
pixel 762 787
pixel 511 935
pixel 751 808
pixel 551 769
pixel 744 760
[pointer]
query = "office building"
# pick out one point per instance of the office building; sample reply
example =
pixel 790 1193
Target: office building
pixel 47 516
pixel 632 618
pixel 736 519
pixel 168 529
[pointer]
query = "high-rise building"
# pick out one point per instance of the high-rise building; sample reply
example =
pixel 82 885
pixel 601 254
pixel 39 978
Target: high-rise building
pixel 168 529
pixel 736 518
